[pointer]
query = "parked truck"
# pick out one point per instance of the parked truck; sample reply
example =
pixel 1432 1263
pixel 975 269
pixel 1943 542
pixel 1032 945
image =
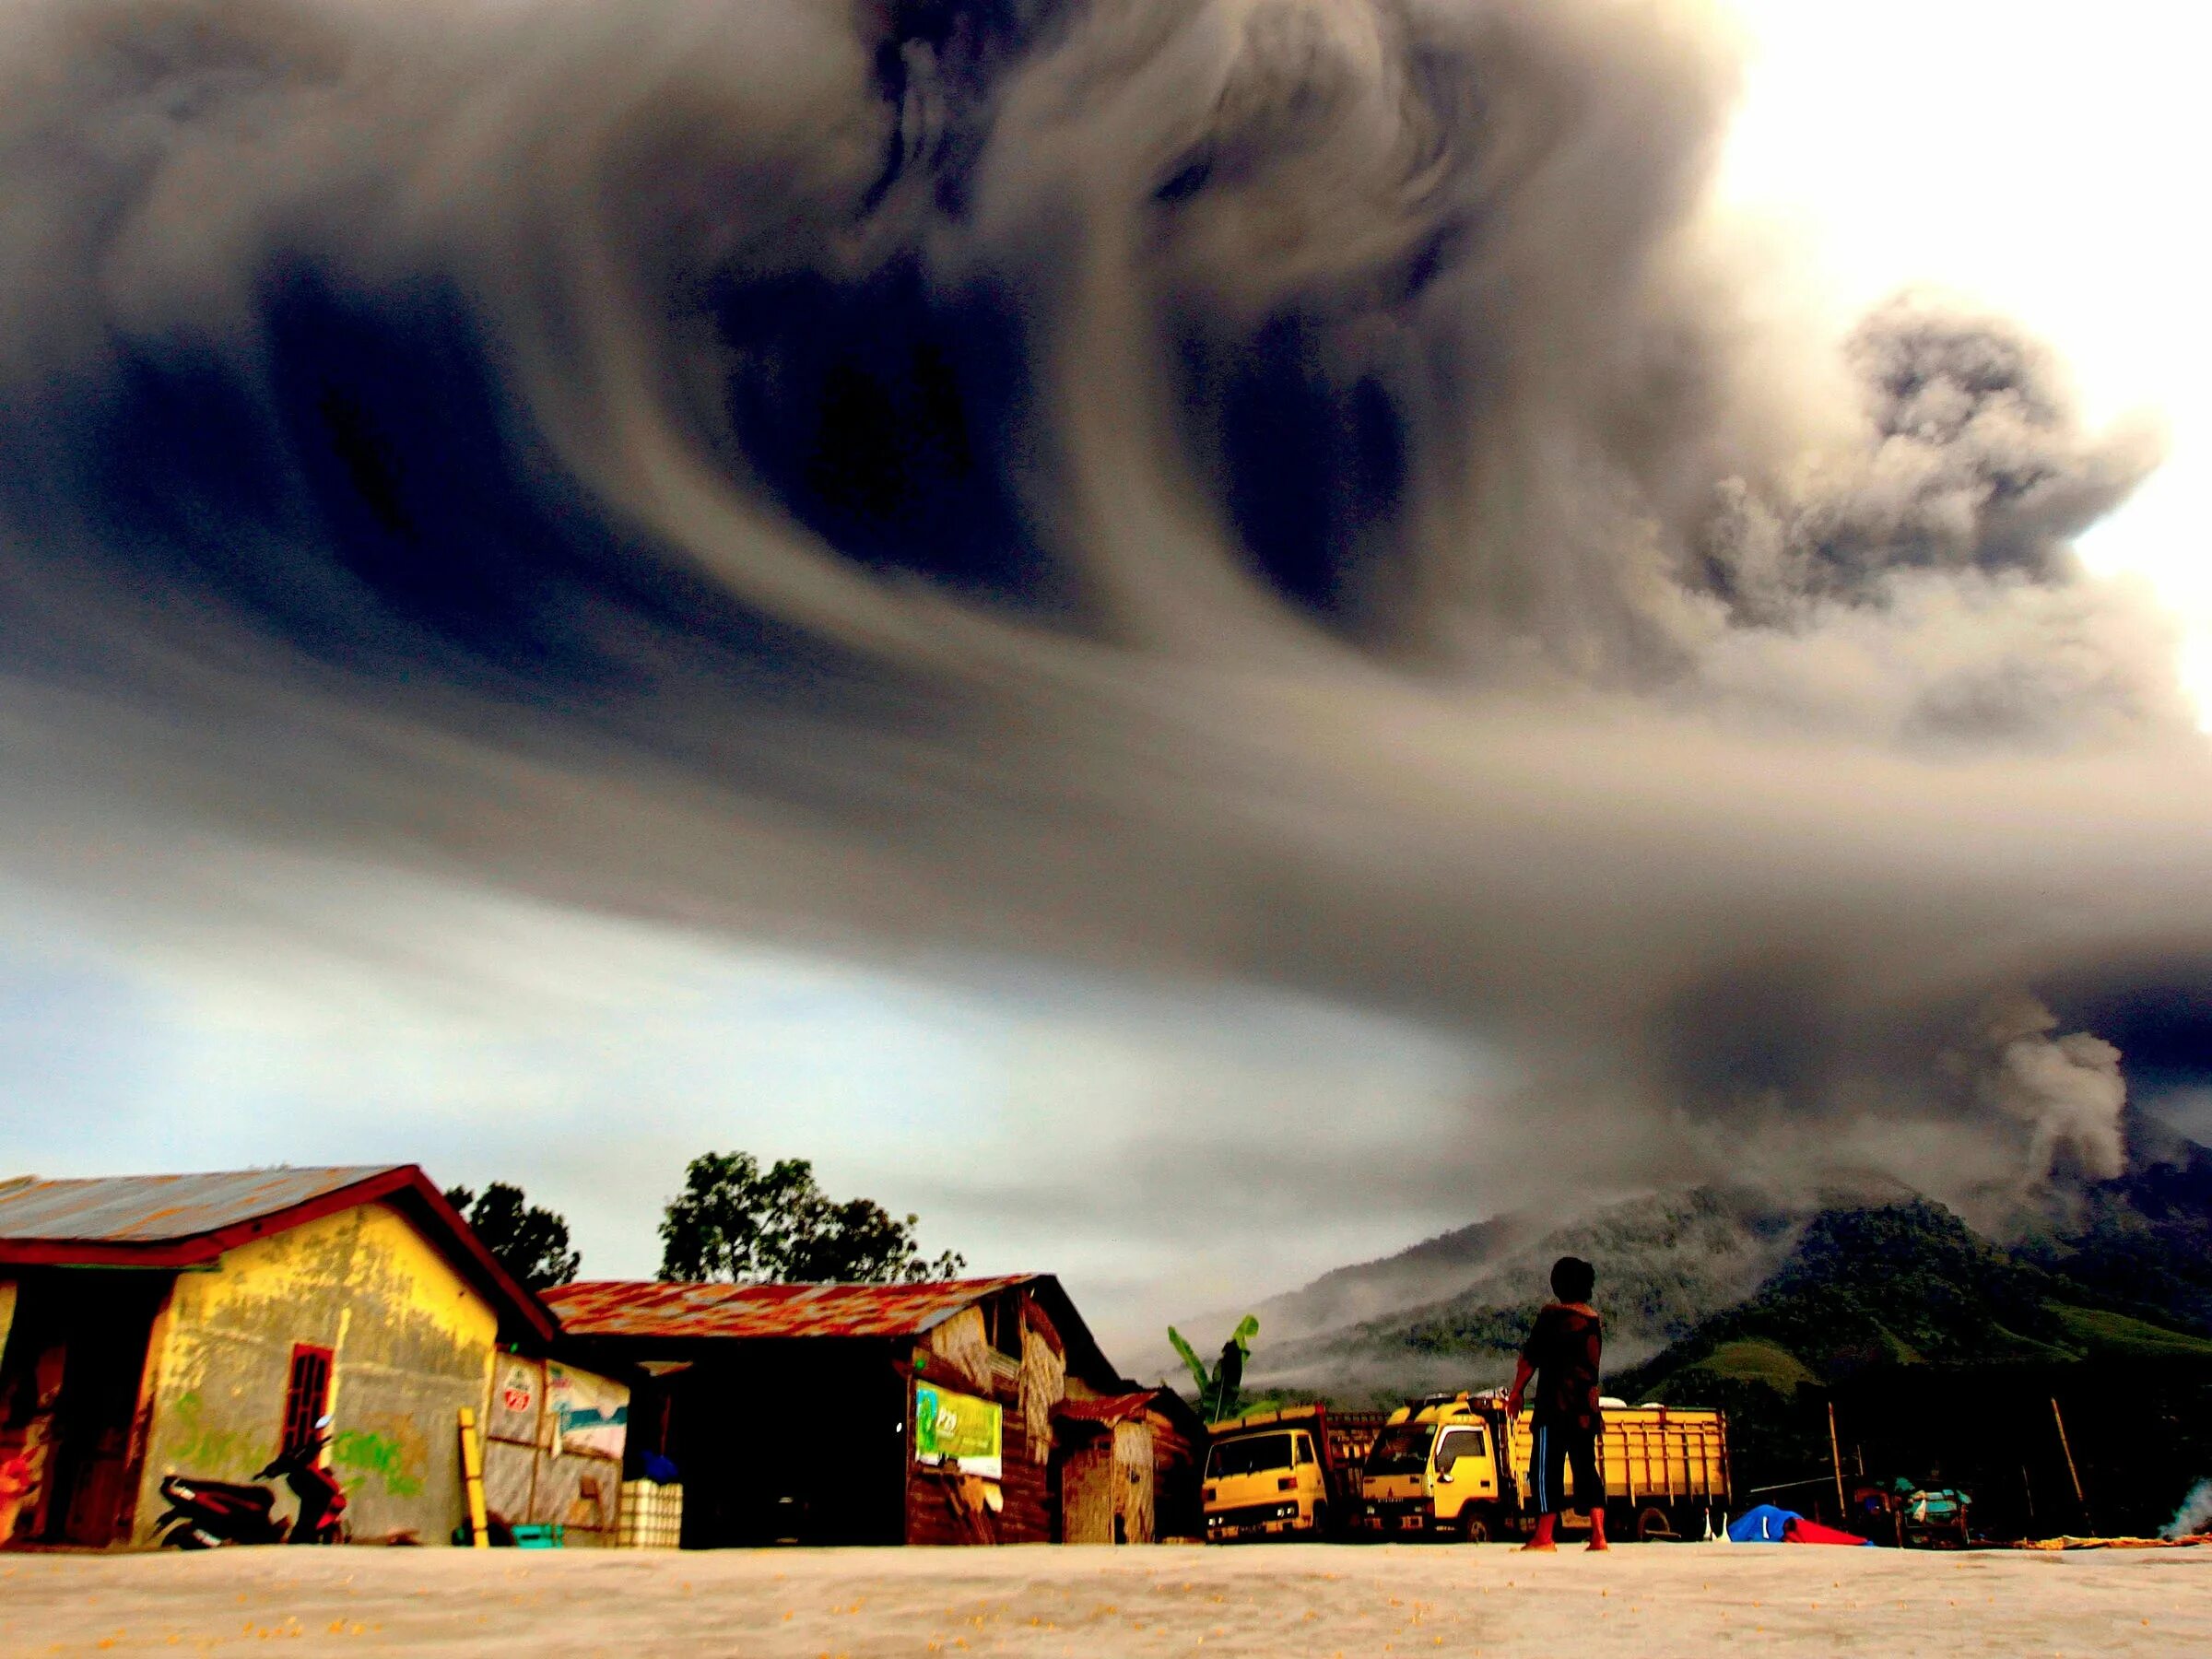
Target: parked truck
pixel 1287 1471
pixel 1453 1467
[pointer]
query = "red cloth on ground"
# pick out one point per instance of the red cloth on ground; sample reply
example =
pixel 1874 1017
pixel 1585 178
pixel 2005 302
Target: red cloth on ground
pixel 1801 1531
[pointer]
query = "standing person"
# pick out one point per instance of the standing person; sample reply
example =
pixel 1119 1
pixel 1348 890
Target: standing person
pixel 1562 1356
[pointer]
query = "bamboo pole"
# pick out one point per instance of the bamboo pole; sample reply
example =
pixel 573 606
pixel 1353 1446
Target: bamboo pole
pixel 472 1479
pixel 2073 1474
pixel 1835 1458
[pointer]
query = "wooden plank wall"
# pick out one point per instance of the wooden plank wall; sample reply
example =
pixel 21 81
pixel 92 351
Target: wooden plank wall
pixel 1087 1489
pixel 942 1508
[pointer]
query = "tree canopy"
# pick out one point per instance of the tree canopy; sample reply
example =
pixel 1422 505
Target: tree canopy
pixel 736 1222
pixel 530 1243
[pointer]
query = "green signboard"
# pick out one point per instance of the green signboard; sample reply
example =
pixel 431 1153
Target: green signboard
pixel 958 1428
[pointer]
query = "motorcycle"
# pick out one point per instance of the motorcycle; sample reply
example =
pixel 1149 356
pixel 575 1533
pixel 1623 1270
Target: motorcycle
pixel 206 1514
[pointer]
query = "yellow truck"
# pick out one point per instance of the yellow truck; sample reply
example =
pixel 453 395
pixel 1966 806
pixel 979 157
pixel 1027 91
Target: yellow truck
pixel 1452 1466
pixel 1287 1471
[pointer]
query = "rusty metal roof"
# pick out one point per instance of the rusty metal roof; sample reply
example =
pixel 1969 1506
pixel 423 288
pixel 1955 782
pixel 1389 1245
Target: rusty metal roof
pixel 1186 1427
pixel 152 1209
pixel 649 1308
pixel 168 1221
pixel 1107 1409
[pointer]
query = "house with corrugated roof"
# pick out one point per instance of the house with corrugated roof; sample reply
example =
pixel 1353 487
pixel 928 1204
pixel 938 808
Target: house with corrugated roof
pixel 977 1410
pixel 198 1323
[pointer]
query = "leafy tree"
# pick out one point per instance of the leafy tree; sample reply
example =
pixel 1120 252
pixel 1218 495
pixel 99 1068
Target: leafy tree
pixel 736 1222
pixel 530 1243
pixel 1221 1390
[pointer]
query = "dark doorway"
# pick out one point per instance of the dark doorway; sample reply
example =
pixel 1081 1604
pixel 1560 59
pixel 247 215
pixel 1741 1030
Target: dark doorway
pixel 790 1443
pixel 69 1386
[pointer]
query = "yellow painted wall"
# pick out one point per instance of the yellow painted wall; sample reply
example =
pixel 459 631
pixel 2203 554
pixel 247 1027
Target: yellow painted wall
pixel 414 1343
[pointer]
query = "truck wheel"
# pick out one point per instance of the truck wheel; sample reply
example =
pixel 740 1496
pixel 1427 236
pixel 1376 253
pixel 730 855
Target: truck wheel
pixel 1474 1528
pixel 1652 1525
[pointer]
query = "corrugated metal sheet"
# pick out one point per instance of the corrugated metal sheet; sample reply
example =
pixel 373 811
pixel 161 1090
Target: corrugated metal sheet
pixel 1110 1409
pixel 151 1209
pixel 648 1307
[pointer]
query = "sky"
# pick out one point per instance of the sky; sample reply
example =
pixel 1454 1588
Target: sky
pixel 1125 1130
pixel 2035 157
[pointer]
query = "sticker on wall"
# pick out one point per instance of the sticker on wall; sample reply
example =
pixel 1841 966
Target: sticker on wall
pixel 516 1393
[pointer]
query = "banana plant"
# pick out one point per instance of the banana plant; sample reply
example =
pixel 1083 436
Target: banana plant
pixel 1221 1389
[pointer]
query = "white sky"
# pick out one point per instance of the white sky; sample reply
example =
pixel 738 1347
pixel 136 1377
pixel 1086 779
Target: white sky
pixel 2048 158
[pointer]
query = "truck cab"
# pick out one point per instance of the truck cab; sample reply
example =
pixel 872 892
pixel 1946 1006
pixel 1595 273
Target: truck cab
pixel 1437 1469
pixel 1270 1473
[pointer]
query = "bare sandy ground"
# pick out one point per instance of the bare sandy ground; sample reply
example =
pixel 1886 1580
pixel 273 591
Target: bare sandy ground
pixel 1647 1600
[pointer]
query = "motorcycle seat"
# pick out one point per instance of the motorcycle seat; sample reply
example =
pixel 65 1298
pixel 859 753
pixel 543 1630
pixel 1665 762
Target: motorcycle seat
pixel 224 1491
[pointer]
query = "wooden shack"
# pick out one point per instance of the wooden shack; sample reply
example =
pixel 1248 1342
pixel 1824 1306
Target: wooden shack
pixel 865 1413
pixel 1130 1468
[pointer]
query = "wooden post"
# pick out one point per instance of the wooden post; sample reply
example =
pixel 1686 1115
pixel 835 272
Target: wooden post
pixel 1835 1458
pixel 2073 1474
pixel 472 1480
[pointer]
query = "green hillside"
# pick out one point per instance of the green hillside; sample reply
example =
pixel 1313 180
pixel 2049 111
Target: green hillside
pixel 1749 1360
pixel 2101 1330
pixel 1905 1284
pixel 1745 1288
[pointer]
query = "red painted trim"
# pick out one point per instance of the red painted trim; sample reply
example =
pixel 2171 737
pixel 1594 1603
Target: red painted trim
pixel 332 1203
pixel 67 1252
pixel 296 1432
pixel 406 1182
pixel 519 1298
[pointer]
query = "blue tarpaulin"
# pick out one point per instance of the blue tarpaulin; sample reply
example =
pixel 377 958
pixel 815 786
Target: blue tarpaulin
pixel 1765 1524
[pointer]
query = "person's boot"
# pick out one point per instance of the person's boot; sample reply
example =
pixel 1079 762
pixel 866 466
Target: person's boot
pixel 1542 1538
pixel 1597 1530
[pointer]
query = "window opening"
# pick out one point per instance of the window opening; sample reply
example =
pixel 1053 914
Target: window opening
pixel 1455 1444
pixel 1402 1450
pixel 1248 1454
pixel 306 1396
pixel 1005 1324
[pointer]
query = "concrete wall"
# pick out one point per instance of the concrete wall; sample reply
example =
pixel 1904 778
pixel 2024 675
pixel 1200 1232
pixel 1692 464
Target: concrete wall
pixel 413 1343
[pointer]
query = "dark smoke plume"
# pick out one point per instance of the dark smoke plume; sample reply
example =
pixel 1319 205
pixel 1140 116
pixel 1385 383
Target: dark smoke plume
pixel 1284 488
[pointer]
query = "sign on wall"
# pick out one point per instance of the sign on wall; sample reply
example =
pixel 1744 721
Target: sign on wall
pixel 590 1414
pixel 960 1428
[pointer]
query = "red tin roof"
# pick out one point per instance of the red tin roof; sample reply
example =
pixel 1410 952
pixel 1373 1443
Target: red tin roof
pixel 1106 1408
pixel 190 1221
pixel 641 1313
pixel 649 1308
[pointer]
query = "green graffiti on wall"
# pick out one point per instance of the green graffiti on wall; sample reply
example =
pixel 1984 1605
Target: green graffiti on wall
pixel 199 1447
pixel 374 1456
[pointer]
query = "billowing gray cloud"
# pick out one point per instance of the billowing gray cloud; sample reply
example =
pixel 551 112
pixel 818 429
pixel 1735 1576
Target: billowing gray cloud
pixel 1251 487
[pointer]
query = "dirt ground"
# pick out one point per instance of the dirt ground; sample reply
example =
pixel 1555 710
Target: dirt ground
pixel 1655 1599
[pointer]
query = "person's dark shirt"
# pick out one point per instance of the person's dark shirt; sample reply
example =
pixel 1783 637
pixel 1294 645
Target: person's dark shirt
pixel 1564 1348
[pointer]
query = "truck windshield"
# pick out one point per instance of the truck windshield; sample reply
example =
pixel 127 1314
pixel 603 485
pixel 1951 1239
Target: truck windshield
pixel 1248 1455
pixel 1401 1451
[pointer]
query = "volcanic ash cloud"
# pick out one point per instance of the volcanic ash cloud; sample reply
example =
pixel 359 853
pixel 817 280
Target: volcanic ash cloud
pixel 1277 488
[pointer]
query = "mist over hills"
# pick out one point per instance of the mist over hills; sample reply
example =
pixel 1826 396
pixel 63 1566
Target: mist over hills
pixel 1716 1282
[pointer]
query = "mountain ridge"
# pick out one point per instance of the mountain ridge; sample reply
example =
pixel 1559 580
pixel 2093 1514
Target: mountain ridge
pixel 1451 1311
